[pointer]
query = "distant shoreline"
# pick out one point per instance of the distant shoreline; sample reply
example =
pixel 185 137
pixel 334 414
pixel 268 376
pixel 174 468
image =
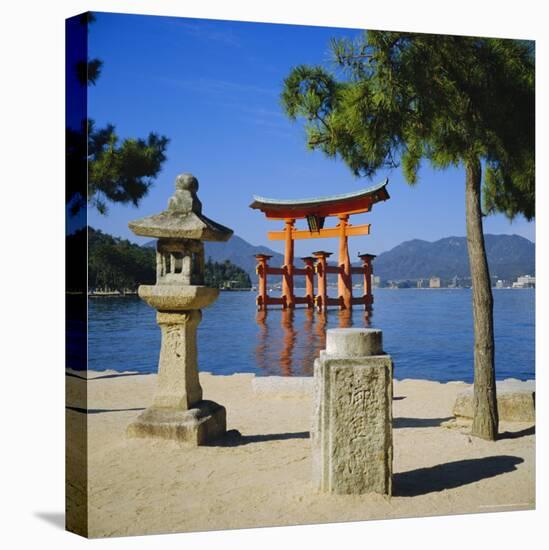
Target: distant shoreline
pixel 291 381
pixel 133 294
pixel 111 294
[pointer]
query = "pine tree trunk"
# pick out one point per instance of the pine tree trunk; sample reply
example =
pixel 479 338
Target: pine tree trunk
pixel 485 412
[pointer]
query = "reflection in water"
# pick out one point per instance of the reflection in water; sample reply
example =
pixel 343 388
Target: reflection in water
pixel 321 324
pixel 368 315
pixel 123 334
pixel 289 340
pixel 263 338
pixel 309 341
pixel 345 318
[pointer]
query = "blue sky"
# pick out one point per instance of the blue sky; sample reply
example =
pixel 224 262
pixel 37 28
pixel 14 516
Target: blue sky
pixel 213 88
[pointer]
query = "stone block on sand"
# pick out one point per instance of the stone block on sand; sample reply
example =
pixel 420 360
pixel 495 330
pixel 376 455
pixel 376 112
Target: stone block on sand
pixel 516 401
pixel 206 421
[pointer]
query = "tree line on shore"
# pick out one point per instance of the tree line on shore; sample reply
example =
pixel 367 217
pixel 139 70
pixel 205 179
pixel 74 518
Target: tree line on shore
pixel 118 264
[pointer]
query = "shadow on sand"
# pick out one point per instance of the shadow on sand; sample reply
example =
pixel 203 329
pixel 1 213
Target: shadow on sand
pixel 99 411
pixel 451 475
pixel 120 375
pixel 515 435
pixel 233 438
pixel 403 422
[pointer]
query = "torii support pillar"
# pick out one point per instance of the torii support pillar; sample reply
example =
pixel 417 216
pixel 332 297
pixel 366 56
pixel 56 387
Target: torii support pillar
pixel 309 280
pixel 344 280
pixel 261 270
pixel 368 272
pixel 288 300
pixel 321 271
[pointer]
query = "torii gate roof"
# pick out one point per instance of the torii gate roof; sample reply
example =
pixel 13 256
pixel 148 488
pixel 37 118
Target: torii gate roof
pixel 355 202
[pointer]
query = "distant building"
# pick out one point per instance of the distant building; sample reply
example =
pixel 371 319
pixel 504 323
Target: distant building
pixel 525 281
pixel 376 281
pixel 434 282
pixel 420 283
pixel 406 284
pixel 229 285
pixel 499 284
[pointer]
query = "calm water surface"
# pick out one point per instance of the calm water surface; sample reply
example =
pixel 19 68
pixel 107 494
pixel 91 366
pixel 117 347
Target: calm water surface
pixel 428 333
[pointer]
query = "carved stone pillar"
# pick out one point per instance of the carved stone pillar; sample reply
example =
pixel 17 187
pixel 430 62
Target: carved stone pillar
pixel 178 385
pixel 351 434
pixel 178 410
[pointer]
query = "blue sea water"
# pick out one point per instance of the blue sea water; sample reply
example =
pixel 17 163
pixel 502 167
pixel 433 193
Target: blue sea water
pixel 427 332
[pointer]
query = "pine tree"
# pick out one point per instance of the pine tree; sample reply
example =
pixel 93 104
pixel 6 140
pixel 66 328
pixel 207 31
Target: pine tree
pixel 397 98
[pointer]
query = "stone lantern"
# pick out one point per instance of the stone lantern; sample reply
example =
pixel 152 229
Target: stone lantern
pixel 178 410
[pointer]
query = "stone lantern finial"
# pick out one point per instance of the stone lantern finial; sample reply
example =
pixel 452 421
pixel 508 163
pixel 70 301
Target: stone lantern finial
pixel 185 199
pixel 183 218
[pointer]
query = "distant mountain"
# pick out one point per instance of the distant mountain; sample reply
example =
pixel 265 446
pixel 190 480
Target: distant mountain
pixel 508 257
pixel 239 252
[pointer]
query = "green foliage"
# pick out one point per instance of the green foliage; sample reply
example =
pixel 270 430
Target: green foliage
pixel 88 71
pixel 397 98
pixel 118 264
pixel 226 275
pixel 121 172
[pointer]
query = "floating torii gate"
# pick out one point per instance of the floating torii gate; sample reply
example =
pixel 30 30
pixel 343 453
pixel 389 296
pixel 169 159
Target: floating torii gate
pixel 315 211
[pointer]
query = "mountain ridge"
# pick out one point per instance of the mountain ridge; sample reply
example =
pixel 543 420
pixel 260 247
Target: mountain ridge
pixel 509 256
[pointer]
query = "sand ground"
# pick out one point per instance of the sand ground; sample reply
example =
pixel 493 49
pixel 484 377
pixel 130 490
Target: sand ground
pixel 263 477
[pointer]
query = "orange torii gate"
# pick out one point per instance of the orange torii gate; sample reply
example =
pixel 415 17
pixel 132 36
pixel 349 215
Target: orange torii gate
pixel 315 211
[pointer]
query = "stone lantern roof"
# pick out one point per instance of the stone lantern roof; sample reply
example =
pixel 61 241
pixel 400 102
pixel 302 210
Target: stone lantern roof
pixel 183 219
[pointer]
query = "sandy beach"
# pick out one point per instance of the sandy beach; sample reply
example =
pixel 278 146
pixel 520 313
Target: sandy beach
pixel 261 476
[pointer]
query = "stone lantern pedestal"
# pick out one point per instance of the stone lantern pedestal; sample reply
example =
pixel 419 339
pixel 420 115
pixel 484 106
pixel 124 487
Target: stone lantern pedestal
pixel 178 411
